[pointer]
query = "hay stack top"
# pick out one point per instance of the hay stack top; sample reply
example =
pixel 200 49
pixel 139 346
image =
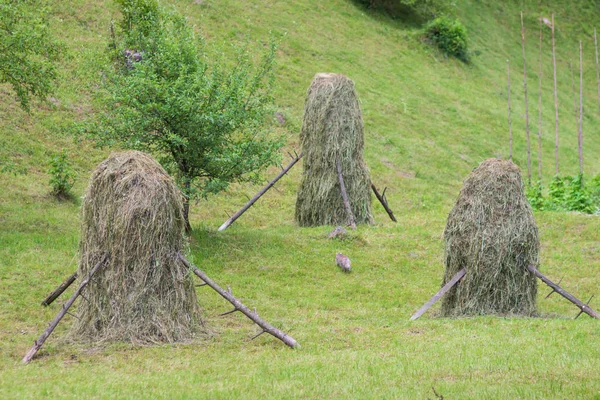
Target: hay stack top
pixel 491 232
pixel 133 211
pixel 332 129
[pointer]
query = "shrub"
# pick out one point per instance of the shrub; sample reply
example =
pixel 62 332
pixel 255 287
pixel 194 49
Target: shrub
pixel 421 8
pixel 450 36
pixel 567 193
pixel 62 176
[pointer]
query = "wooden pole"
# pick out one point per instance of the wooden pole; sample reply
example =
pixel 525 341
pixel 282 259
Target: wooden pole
pixel 555 101
pixel 526 101
pixel 580 136
pixel 597 69
pixel 238 306
pixel 383 202
pixel 540 106
pixel 351 220
pixel 63 311
pixel 509 120
pixel 59 290
pixel 258 195
pixel 582 306
pixel 457 277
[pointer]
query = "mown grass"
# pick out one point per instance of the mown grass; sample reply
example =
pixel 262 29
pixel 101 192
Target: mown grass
pixel 429 121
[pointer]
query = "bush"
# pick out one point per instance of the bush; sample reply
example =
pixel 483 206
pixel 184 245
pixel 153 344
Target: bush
pixel 62 176
pixel 450 36
pixel 421 8
pixel 567 194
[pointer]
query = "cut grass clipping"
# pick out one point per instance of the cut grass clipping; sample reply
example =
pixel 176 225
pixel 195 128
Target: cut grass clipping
pixel 133 211
pixel 332 128
pixel 491 232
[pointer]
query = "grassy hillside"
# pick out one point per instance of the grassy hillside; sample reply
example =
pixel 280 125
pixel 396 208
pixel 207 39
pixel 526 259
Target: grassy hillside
pixel 428 121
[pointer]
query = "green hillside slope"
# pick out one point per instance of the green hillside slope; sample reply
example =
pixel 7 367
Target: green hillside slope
pixel 429 121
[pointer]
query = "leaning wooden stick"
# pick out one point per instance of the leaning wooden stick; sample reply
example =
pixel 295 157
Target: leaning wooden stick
pixel 351 220
pixel 383 202
pixel 59 290
pixel 64 310
pixel 582 306
pixel 238 306
pixel 459 275
pixel 258 195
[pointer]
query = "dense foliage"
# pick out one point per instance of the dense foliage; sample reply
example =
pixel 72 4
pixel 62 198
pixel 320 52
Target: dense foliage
pixel 450 36
pixel 204 120
pixel 27 50
pixel 62 176
pixel 422 8
pixel 569 193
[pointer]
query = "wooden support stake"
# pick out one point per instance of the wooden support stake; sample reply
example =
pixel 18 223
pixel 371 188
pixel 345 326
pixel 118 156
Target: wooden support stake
pixel 555 101
pixel 351 221
pixel 455 279
pixel 597 69
pixel 580 136
pixel 384 202
pixel 59 290
pixel 64 310
pixel 540 105
pixel 583 307
pixel 509 119
pixel 526 101
pixel 268 328
pixel 258 195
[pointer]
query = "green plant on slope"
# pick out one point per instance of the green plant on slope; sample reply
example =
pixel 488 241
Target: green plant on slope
pixel 27 49
pixel 534 194
pixel 423 8
pixel 205 121
pixel 450 36
pixel 567 194
pixel 62 176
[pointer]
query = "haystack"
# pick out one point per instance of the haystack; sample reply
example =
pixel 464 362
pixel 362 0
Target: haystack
pixel 491 232
pixel 332 129
pixel 133 211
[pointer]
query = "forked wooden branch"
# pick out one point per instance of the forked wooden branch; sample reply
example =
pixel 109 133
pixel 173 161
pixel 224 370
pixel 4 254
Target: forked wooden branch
pixel 238 306
pixel 457 277
pixel 59 290
pixel 351 220
pixel 64 310
pixel 581 305
pixel 258 195
pixel 383 202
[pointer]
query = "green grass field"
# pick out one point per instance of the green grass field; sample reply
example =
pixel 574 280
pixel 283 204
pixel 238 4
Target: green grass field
pixel 428 122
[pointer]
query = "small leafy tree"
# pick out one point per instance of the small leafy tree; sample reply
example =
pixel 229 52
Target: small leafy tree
pixel 62 176
pixel 27 50
pixel 203 119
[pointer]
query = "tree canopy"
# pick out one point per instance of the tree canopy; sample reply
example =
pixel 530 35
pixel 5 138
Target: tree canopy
pixel 27 49
pixel 201 114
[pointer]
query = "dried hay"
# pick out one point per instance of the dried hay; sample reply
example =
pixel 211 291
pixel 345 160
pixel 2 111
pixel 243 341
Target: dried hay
pixel 492 233
pixel 133 211
pixel 332 128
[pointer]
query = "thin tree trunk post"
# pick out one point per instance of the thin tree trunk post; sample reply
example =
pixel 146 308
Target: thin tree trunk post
pixel 575 108
pixel 383 202
pixel 64 310
pixel 258 195
pixel 540 106
pixel 580 136
pixel 351 220
pixel 582 306
pixel 597 69
pixel 526 100
pixel 555 101
pixel 186 206
pixel 509 120
pixel 59 290
pixel 238 306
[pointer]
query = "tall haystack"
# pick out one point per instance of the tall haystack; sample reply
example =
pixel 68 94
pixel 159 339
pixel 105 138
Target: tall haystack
pixel 332 129
pixel 133 211
pixel 491 232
